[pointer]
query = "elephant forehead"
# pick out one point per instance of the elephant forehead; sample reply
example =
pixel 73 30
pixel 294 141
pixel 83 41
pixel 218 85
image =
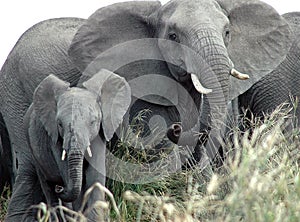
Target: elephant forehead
pixel 198 11
pixel 77 101
pixel 78 96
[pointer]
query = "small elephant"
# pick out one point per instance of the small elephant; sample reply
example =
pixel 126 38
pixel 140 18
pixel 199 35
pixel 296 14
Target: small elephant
pixel 67 129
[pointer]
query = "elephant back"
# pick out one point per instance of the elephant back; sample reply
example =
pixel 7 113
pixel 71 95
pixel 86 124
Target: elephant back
pixel 39 52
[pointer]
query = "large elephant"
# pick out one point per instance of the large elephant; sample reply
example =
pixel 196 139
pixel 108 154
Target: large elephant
pixel 281 85
pixel 205 42
pixel 63 126
pixel 41 51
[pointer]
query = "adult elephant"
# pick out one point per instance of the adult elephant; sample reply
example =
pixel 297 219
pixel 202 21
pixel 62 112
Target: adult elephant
pixel 222 36
pixel 281 85
pixel 40 51
pixel 63 125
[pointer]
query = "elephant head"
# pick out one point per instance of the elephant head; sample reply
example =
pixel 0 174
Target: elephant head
pixel 73 117
pixel 196 40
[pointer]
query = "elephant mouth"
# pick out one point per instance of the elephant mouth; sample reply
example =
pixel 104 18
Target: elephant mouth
pixel 191 77
pixel 184 76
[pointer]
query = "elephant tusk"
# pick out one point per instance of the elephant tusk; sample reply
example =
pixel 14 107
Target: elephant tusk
pixel 239 75
pixel 63 155
pixel 89 151
pixel 199 86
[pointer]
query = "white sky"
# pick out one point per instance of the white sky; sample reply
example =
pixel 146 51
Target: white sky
pixel 16 16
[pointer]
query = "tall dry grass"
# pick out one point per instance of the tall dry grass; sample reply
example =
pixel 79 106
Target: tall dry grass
pixel 258 181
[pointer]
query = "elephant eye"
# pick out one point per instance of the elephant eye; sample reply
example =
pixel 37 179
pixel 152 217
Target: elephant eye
pixel 60 127
pixel 226 36
pixel 173 37
pixel 227 33
pixel 93 122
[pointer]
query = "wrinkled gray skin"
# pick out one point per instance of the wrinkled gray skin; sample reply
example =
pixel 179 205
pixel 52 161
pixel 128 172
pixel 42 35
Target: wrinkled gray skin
pixel 68 119
pixel 248 34
pixel 40 51
pixel 281 85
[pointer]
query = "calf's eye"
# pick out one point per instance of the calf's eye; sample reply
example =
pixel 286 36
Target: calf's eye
pixel 173 37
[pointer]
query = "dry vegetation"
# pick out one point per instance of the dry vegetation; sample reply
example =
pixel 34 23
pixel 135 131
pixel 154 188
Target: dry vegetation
pixel 259 181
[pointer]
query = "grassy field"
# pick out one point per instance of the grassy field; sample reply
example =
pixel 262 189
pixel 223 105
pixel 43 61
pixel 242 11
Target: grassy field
pixel 258 181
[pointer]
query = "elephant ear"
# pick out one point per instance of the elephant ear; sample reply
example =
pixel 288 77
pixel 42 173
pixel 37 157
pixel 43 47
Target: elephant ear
pixel 119 38
pixel 260 40
pixel 110 26
pixel 115 97
pixel 293 18
pixel 44 103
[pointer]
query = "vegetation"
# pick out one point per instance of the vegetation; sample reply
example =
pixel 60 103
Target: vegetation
pixel 258 181
pixel 4 198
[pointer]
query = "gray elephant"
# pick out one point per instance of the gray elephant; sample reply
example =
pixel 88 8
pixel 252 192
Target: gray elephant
pixel 193 46
pixel 249 36
pixel 281 85
pixel 33 58
pixel 63 126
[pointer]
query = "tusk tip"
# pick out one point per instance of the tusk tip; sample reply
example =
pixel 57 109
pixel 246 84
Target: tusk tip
pixel 63 155
pixel 239 75
pixel 89 152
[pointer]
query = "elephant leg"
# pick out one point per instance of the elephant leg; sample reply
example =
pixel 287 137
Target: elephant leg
pixel 6 171
pixel 13 112
pixel 94 176
pixel 27 192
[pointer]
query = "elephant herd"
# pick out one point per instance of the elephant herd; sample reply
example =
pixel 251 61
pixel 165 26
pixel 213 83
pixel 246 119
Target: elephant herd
pixel 69 83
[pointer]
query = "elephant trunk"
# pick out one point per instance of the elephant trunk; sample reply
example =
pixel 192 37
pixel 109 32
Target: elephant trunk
pixel 213 71
pixel 215 65
pixel 74 181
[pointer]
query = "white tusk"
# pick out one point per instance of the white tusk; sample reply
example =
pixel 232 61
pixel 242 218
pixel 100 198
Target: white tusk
pixel 63 156
pixel 199 86
pixel 89 151
pixel 239 75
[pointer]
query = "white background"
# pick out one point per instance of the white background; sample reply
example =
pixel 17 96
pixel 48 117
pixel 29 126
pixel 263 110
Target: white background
pixel 16 16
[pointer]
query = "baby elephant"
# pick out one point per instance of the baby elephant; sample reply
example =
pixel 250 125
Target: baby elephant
pixel 65 124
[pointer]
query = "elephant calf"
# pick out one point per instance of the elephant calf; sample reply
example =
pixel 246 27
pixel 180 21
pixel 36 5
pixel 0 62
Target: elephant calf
pixel 67 129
